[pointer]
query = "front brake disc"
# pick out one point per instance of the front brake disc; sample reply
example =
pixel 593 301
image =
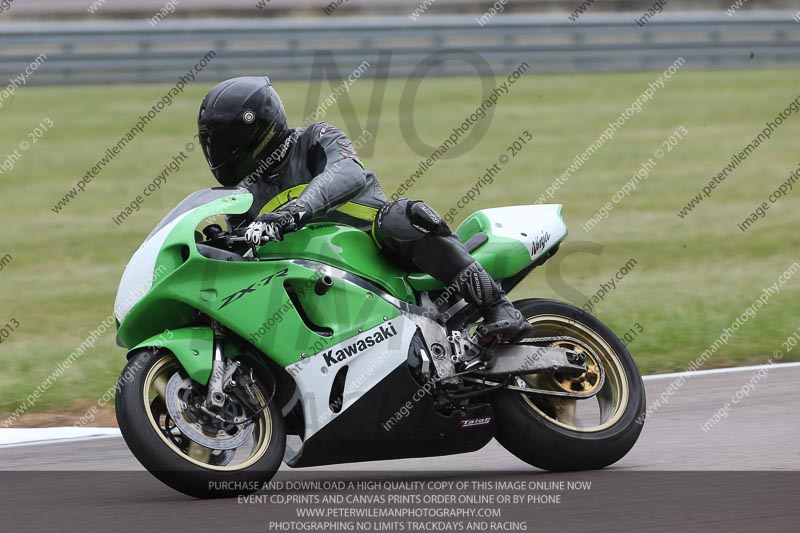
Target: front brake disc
pixel 216 439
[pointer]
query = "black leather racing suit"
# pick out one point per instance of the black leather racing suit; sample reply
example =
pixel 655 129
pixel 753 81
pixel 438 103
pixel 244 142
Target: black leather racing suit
pixel 322 170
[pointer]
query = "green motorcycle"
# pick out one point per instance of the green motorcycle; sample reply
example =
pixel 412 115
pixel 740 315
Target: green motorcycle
pixel 317 350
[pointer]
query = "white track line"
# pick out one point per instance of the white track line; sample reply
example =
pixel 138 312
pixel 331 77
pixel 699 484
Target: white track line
pixel 712 371
pixel 28 436
pixel 31 436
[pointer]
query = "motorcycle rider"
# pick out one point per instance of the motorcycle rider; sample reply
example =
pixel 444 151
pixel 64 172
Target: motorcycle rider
pixel 297 175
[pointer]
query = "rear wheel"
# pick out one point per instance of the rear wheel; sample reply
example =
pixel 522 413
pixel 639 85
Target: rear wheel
pixel 561 433
pixel 159 415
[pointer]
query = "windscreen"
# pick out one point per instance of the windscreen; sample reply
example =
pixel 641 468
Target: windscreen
pixel 196 199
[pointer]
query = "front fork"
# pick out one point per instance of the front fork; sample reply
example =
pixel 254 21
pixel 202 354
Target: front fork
pixel 221 372
pixel 215 398
pixel 221 383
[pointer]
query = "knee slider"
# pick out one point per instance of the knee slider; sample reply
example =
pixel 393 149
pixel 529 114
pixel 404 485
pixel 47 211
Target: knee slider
pixel 424 217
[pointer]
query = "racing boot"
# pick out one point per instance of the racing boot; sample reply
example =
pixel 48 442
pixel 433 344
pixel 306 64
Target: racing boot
pixel 500 318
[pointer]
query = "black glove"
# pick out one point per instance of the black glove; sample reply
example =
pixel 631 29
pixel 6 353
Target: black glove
pixel 274 225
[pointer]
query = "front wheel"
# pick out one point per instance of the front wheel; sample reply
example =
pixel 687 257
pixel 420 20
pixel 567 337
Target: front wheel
pixel 560 433
pixel 159 414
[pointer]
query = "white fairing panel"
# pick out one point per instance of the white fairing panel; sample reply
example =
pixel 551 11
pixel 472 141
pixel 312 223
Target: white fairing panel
pixel 370 356
pixel 140 272
pixel 538 227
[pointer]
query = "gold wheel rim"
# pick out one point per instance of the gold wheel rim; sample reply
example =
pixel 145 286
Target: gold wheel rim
pixel 586 383
pixel 163 370
pixel 612 396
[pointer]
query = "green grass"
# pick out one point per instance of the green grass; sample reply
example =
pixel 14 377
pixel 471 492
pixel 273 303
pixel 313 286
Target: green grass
pixel 694 276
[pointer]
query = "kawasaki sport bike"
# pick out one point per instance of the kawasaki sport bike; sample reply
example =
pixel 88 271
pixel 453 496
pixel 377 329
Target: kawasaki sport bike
pixel 317 350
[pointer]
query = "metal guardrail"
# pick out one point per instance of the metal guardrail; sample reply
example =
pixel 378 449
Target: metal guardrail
pixel 297 48
pixel 143 9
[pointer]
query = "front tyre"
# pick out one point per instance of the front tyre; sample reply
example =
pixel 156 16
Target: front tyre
pixel 233 459
pixel 559 433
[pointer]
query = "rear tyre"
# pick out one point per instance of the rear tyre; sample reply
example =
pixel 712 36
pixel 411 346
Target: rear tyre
pixel 162 448
pixel 561 434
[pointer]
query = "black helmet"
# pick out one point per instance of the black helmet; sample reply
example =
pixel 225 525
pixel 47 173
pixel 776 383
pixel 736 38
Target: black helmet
pixel 241 121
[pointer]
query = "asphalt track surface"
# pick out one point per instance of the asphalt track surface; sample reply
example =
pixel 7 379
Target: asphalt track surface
pixel 743 474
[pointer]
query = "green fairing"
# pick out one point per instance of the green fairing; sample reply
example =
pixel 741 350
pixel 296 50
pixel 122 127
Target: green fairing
pixel 194 348
pixel 345 248
pixel 250 297
pixel 500 256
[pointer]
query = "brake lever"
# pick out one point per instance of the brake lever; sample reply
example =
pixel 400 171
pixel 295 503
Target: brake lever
pixel 253 248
